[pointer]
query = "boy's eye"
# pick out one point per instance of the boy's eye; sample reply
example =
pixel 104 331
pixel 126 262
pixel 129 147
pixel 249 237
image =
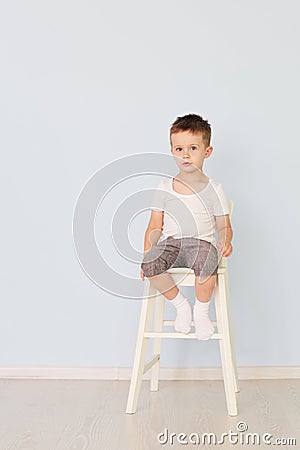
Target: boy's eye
pixel 193 147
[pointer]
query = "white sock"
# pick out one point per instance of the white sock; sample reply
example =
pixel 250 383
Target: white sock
pixel 184 313
pixel 203 326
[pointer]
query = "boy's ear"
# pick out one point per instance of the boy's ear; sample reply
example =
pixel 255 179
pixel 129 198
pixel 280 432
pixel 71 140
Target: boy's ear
pixel 208 151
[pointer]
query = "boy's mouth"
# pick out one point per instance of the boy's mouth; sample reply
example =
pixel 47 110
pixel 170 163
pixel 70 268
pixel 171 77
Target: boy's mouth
pixel 186 163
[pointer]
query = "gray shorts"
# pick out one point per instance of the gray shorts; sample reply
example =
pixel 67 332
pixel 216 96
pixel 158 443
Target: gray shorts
pixel 193 253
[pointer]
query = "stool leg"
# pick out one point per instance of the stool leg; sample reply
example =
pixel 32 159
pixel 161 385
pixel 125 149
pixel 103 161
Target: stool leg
pixel 141 348
pixel 236 387
pixel 158 326
pixel 225 347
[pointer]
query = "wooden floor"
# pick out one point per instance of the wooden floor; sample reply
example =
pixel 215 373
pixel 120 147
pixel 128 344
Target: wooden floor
pixel 90 415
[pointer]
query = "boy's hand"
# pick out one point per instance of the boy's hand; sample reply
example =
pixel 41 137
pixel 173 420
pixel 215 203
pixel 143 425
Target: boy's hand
pixel 224 247
pixel 142 274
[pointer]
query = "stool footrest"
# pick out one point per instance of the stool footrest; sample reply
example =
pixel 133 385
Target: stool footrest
pixel 158 334
pixel 169 323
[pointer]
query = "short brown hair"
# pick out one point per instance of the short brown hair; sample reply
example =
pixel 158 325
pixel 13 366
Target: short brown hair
pixel 193 123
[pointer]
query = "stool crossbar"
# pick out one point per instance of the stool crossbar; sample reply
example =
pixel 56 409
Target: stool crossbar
pixel 153 306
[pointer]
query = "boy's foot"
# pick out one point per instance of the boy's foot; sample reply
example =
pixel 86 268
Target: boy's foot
pixel 203 326
pixel 184 313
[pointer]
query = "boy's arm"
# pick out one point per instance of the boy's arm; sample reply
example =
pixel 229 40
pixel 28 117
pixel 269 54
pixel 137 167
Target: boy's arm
pixel 154 229
pixel 225 234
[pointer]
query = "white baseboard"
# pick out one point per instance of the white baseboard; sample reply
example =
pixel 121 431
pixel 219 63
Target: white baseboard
pixel 166 373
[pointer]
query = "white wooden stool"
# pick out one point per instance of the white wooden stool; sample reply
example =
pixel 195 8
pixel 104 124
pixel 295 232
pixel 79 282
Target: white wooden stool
pixel 153 298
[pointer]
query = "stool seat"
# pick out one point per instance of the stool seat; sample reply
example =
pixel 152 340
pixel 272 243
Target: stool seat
pixel 153 302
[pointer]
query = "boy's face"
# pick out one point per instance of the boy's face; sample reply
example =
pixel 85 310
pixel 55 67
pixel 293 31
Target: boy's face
pixel 189 150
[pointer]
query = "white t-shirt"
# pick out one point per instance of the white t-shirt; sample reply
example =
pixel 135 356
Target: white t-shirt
pixel 190 215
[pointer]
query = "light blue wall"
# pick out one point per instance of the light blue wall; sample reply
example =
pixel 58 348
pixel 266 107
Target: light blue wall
pixel 86 83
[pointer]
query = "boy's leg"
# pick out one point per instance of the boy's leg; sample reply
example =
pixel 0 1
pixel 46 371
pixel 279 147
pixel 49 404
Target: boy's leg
pixel 204 286
pixel 155 265
pixel 165 284
pixel 203 258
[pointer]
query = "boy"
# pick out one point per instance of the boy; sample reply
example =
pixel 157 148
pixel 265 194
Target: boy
pixel 186 212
